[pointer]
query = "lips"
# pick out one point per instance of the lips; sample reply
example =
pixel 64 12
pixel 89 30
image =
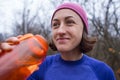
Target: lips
pixel 62 40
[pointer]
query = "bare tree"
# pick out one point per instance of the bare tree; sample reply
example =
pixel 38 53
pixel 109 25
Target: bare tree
pixel 28 23
pixel 106 27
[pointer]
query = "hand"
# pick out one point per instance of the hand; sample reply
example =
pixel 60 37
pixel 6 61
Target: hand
pixel 8 69
pixel 13 72
pixel 8 44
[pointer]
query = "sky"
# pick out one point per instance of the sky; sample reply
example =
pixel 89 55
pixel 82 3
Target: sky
pixel 7 12
pixel 6 9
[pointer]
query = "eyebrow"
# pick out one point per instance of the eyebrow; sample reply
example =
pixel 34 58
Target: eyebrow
pixel 65 18
pixel 55 20
pixel 68 17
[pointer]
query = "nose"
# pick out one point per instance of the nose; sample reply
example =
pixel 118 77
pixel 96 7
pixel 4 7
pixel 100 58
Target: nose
pixel 61 30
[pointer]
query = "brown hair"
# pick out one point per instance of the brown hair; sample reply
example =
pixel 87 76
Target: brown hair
pixel 86 44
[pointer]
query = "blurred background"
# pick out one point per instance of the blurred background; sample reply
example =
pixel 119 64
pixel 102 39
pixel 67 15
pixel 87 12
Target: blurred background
pixel 33 16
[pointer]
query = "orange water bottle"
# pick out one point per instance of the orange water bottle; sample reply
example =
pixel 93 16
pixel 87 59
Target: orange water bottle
pixel 26 56
pixel 31 50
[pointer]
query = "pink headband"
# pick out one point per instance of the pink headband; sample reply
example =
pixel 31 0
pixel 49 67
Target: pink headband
pixel 76 8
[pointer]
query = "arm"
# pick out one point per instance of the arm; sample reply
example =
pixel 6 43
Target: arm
pixel 110 74
pixel 7 59
pixel 7 63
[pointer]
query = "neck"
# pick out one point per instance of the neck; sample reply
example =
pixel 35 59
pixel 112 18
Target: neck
pixel 72 56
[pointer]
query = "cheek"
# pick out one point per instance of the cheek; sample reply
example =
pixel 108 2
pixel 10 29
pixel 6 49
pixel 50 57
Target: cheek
pixel 78 38
pixel 78 35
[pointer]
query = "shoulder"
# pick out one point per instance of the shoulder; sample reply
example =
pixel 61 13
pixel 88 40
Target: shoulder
pixel 39 74
pixel 95 62
pixel 101 69
pixel 49 60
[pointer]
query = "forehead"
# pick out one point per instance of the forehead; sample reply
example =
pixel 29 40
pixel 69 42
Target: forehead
pixel 64 13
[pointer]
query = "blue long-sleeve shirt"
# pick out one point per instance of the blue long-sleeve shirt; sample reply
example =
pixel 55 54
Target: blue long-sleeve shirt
pixel 87 68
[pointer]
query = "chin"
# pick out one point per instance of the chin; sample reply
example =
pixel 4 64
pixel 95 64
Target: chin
pixel 62 49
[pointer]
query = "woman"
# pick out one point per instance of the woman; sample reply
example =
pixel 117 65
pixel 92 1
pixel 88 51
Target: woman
pixel 70 39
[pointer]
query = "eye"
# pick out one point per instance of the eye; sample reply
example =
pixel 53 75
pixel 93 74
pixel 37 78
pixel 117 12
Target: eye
pixel 55 24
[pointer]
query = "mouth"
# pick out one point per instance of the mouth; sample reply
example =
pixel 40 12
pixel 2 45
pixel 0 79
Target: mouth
pixel 62 40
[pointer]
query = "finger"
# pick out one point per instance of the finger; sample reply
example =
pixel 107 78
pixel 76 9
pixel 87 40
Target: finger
pixel 0 51
pixel 6 47
pixel 13 40
pixel 19 36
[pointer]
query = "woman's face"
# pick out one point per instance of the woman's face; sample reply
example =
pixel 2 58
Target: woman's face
pixel 67 29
